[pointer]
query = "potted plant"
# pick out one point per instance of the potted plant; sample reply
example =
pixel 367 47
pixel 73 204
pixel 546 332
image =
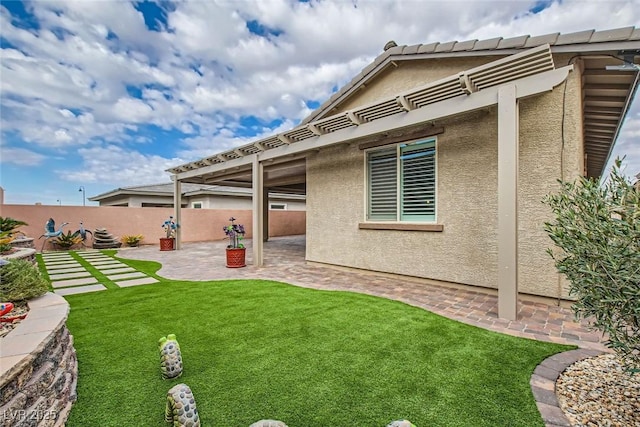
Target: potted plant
pixel 168 243
pixel 132 240
pixel 236 252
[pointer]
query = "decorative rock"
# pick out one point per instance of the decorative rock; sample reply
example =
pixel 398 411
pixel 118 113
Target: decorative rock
pixel 102 239
pixel 181 407
pixel 401 423
pixel 170 357
pixel 268 423
pixel 597 391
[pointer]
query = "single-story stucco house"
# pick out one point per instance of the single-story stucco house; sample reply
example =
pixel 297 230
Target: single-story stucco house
pixel 196 196
pixel 433 161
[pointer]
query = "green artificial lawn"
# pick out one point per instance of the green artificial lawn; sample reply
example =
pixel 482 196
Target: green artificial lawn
pixel 255 349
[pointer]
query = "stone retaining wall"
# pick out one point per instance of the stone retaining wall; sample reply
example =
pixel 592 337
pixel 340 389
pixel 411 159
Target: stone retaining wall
pixel 22 253
pixel 38 367
pixel 23 242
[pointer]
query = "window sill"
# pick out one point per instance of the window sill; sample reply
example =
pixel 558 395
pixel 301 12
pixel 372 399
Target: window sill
pixel 400 226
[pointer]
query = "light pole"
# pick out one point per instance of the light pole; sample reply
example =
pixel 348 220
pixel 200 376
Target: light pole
pixel 59 202
pixel 84 203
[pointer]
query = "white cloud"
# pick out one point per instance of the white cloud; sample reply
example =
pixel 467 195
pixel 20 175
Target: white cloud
pixel 119 166
pixel 132 110
pixel 21 157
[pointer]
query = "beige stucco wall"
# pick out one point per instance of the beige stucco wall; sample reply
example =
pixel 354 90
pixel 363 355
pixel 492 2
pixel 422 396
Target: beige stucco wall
pixel 466 251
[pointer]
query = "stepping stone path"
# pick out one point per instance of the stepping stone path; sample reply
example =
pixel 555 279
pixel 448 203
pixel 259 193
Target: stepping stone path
pixel 69 277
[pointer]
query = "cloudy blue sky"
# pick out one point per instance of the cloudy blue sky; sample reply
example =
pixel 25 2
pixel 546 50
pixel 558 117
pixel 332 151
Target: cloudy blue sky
pixel 106 94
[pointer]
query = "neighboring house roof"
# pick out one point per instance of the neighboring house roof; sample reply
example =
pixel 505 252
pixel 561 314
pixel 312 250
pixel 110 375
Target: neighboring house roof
pixel 607 94
pixel 188 190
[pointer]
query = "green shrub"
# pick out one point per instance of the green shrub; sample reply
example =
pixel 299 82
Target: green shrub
pixel 597 229
pixel 132 239
pixel 20 280
pixel 67 241
pixel 10 224
pixel 5 241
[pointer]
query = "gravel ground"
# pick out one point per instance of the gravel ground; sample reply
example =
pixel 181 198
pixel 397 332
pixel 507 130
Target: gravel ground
pixel 597 392
pixel 5 327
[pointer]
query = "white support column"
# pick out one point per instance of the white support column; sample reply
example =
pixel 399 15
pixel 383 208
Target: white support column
pixel 258 211
pixel 265 214
pixel 508 144
pixel 177 208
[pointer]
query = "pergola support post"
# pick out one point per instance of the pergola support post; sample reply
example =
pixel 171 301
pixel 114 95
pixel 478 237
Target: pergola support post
pixel 257 172
pixel 508 144
pixel 265 214
pixel 177 209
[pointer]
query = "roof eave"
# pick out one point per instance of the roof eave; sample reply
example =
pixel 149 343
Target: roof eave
pixel 625 110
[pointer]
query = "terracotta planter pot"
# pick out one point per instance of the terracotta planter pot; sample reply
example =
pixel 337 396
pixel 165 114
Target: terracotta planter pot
pixel 236 257
pixel 167 243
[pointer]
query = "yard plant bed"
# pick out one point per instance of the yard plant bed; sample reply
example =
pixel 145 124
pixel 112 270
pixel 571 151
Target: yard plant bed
pixel 257 349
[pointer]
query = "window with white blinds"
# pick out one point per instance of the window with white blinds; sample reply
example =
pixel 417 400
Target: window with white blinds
pixel 402 182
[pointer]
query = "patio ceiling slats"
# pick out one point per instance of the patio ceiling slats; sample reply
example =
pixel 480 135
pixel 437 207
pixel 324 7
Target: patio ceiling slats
pixel 438 91
pixel 334 123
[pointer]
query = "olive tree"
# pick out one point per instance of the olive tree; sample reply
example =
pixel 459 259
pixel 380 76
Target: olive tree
pixel 597 234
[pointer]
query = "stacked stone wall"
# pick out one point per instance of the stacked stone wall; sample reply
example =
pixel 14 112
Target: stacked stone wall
pixel 39 368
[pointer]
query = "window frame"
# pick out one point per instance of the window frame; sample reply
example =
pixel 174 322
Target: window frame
pixel 193 205
pixel 284 206
pixel 399 184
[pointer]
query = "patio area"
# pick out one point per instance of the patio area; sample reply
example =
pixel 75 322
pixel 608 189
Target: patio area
pixel 284 261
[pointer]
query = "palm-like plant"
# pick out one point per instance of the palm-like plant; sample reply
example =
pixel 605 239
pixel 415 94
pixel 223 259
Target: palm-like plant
pixel 66 241
pixel 10 224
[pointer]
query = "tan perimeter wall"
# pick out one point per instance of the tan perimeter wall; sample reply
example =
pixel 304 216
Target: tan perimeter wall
pixel 467 160
pixel 196 224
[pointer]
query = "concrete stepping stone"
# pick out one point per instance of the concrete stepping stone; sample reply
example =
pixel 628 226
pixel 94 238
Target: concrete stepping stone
pixel 69 275
pixel 135 282
pixel 124 269
pixel 65 270
pixel 105 262
pixel 62 266
pixel 63 262
pixel 74 282
pixel 56 255
pixel 90 253
pixel 102 268
pixel 80 289
pixel 95 257
pixel 57 259
pixel 124 276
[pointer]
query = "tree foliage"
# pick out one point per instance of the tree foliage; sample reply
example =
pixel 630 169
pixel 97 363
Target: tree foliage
pixel 597 231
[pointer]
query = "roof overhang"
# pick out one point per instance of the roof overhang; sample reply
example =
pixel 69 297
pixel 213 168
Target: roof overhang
pixel 607 97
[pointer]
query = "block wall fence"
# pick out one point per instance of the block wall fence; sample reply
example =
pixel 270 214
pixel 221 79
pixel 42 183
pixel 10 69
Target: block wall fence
pixel 197 225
